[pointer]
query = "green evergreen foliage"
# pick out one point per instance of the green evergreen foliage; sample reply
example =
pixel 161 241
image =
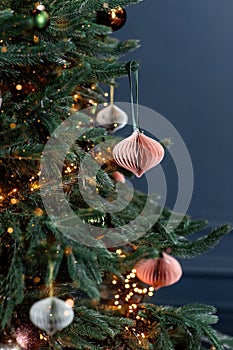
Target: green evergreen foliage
pixel 41 70
pixel 169 325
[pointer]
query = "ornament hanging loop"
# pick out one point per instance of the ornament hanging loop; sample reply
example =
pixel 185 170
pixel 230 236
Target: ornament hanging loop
pixel 112 90
pixel 51 270
pixel 135 120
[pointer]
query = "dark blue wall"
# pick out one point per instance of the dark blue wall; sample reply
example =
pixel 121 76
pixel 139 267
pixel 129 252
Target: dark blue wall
pixel 186 75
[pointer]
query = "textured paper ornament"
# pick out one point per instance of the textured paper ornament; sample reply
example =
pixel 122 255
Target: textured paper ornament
pixel 160 272
pixel 118 177
pixel 138 153
pixel 112 118
pixel 51 314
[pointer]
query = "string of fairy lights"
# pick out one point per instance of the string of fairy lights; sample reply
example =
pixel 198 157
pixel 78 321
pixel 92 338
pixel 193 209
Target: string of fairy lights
pixel 131 288
pixel 100 155
pixel 128 297
pixel 13 196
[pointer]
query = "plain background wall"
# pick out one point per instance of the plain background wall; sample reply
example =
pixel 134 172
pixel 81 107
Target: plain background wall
pixel 186 74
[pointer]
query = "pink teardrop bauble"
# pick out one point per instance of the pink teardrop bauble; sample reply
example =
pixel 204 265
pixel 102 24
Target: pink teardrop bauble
pixel 118 177
pixel 160 272
pixel 138 153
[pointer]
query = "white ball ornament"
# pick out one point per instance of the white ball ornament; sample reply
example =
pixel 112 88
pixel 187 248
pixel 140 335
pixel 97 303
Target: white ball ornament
pixel 112 118
pixel 51 314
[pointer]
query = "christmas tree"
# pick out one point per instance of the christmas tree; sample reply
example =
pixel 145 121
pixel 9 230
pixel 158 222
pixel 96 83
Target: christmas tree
pixel 76 274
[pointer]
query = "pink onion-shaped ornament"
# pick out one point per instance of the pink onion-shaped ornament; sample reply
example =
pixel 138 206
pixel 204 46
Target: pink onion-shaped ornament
pixel 118 177
pixel 160 272
pixel 138 153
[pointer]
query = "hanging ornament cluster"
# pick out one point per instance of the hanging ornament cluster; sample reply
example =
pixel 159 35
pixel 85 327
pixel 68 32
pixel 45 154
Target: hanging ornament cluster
pixel 161 272
pixel 51 314
pixel 138 153
pixel 113 18
pixel 40 16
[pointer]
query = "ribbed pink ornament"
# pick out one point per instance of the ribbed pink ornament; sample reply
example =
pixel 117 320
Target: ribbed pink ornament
pixel 160 272
pixel 138 153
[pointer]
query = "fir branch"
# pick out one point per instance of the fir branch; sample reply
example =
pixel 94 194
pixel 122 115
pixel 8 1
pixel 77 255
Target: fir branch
pixel 23 151
pixel 12 287
pixel 13 24
pixel 161 238
pixel 163 340
pixel 110 49
pixel 103 71
pixel 120 48
pixel 140 253
pixel 225 340
pixel 188 227
pixel 90 327
pixel 77 272
pixel 189 249
pixel 192 319
pixel 19 55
